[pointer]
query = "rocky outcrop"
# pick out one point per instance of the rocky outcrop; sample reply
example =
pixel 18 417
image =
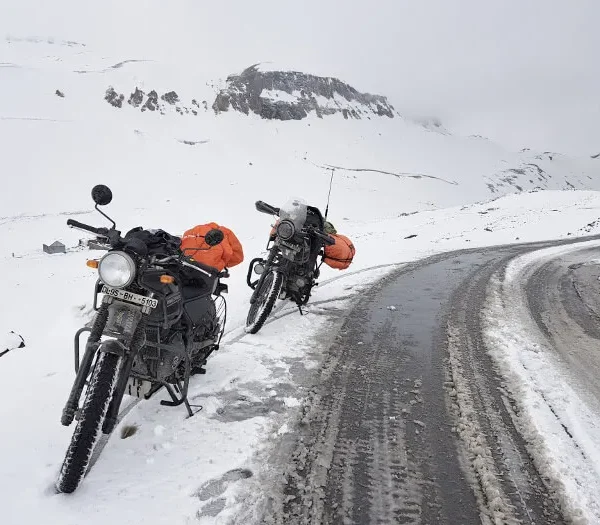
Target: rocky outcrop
pixel 291 95
pixel 113 98
pixel 276 95
pixel 151 101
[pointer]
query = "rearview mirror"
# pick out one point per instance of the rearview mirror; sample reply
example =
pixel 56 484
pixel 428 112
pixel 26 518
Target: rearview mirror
pixel 214 237
pixel 101 194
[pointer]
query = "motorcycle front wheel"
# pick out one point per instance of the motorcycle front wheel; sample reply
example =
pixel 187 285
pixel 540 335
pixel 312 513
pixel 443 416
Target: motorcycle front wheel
pixel 266 296
pixel 93 412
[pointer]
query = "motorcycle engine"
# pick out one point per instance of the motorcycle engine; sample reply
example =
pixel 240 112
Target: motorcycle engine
pixel 169 361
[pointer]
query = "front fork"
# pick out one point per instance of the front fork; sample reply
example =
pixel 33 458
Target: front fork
pixel 137 342
pixel 111 346
pixel 84 367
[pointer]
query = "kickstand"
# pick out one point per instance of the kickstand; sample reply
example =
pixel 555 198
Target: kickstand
pixel 300 309
pixel 187 404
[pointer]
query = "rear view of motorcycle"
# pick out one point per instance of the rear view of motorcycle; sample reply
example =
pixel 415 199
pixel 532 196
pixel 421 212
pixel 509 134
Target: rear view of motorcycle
pixel 290 270
pixel 161 314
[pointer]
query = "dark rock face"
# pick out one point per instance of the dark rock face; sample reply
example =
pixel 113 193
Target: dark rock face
pixel 114 98
pixel 258 92
pixel 274 95
pixel 152 102
pixel 136 98
pixel 171 97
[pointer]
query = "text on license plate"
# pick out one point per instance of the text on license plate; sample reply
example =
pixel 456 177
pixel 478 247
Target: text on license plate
pixel 130 297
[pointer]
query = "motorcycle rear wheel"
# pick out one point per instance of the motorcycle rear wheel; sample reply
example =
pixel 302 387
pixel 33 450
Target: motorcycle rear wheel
pixel 266 296
pixel 93 412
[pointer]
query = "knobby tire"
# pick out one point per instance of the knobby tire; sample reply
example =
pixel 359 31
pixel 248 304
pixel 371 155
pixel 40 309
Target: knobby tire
pixel 265 300
pixel 88 427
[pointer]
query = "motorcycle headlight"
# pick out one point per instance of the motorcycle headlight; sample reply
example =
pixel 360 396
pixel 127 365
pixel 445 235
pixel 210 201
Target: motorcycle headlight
pixel 116 269
pixel 286 229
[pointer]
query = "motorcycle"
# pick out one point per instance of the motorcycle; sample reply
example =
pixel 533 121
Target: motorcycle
pixel 290 270
pixel 160 316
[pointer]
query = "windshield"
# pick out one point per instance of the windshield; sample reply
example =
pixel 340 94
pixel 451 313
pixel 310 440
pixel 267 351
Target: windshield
pixel 294 210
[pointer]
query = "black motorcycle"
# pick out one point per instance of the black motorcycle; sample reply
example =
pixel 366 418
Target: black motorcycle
pixel 161 315
pixel 290 270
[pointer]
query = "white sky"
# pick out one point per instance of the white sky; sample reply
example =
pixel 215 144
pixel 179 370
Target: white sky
pixel 521 71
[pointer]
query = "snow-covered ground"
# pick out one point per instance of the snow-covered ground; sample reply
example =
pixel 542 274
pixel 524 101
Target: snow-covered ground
pixel 401 191
pixel 252 386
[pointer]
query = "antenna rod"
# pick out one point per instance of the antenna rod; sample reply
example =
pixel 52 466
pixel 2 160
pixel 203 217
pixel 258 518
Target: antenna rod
pixel 329 195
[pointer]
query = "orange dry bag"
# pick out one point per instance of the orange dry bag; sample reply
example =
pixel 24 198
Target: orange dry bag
pixel 228 253
pixel 340 254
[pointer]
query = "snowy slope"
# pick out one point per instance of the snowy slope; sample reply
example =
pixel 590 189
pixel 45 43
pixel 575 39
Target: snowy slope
pixel 173 169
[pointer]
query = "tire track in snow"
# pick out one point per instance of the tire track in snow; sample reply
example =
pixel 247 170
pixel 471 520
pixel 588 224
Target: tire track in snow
pixel 508 485
pixel 367 413
pixel 284 309
pixel 409 421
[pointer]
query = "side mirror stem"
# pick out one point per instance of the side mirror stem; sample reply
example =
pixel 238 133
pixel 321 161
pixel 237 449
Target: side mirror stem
pixel 114 224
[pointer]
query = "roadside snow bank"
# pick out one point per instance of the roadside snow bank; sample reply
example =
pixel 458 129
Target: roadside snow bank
pixel 563 432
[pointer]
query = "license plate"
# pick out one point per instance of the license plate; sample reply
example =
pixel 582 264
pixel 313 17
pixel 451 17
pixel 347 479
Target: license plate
pixel 130 297
pixel 137 387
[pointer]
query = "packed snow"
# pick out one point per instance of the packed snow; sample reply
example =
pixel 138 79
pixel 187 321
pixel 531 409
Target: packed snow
pixel 562 427
pixel 400 191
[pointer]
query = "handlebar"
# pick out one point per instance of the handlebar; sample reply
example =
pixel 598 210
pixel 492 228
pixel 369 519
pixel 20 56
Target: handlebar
pixel 328 240
pixel 76 224
pixel 263 207
pixel 190 262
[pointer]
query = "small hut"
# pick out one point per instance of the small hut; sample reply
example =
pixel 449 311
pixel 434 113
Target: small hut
pixel 55 247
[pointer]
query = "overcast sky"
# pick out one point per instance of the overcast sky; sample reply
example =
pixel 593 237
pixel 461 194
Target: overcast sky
pixel 525 72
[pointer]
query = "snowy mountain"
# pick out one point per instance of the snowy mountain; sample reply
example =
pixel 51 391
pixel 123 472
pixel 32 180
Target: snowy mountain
pixel 161 103
pixel 264 93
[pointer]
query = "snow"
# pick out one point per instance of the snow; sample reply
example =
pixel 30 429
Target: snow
pixel 10 341
pixel 400 193
pixel 170 456
pixel 279 95
pixel 539 383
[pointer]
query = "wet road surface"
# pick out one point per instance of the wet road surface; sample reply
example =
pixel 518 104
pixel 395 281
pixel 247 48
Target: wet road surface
pixel 409 422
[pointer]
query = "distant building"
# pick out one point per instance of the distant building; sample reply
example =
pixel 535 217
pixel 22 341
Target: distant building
pixel 55 247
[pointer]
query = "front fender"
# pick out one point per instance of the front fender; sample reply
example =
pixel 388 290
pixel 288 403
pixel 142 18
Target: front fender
pixel 112 346
pixel 123 319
